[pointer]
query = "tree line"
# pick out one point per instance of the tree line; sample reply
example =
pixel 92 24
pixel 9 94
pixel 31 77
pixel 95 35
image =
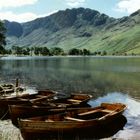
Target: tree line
pixel 45 51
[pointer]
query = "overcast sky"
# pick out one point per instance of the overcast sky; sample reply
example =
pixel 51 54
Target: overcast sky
pixel 27 10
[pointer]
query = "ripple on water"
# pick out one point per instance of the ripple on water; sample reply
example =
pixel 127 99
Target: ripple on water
pixel 132 114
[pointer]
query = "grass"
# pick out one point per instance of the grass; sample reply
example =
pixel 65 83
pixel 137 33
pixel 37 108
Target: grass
pixel 122 39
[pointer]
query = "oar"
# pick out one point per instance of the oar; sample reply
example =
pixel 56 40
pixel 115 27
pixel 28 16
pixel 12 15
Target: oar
pixel 41 98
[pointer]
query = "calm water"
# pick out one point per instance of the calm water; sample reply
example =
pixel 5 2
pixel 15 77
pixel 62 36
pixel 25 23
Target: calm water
pixel 109 79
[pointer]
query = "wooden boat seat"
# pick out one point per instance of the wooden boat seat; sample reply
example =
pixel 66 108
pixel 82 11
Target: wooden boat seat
pixel 107 111
pixel 39 95
pixel 22 99
pixel 49 120
pixel 73 119
pixel 89 112
pixel 73 100
pixel 109 114
pixel 62 105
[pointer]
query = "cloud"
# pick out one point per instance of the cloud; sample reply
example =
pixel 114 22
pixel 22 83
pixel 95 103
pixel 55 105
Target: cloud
pixel 75 3
pixel 16 3
pixel 23 17
pixel 17 17
pixel 128 6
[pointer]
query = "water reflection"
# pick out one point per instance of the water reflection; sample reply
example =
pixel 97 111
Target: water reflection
pixel 74 74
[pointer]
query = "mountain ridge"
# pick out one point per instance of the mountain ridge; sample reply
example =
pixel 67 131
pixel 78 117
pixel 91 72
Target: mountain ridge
pixel 78 28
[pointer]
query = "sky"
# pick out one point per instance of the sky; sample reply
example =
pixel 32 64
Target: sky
pixel 27 10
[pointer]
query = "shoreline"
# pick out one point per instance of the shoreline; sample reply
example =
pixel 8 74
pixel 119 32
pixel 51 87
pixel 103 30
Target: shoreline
pixel 96 56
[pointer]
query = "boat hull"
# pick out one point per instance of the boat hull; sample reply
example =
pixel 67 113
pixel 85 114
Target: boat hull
pixel 38 108
pixel 98 132
pixel 54 124
pixel 5 101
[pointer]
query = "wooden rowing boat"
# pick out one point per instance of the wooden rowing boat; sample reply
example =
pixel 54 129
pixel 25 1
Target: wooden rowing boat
pixel 25 111
pixel 6 88
pixel 10 89
pixel 42 107
pixel 76 119
pixel 92 133
pixel 75 99
pixel 5 101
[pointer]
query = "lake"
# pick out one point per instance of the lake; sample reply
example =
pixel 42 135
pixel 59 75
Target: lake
pixel 108 79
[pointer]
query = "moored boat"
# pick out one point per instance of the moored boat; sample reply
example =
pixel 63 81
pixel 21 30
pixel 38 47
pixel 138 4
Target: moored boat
pixel 42 107
pixel 5 101
pixel 73 100
pixel 10 88
pixel 6 88
pixel 76 119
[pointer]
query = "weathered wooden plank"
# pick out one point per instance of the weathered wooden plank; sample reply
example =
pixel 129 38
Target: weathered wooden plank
pixel 73 119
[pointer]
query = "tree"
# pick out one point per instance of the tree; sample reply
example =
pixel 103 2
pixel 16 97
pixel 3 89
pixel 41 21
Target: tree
pixel 36 50
pixel 2 38
pixel 32 50
pixel 74 51
pixel 104 53
pixel 8 51
pixel 94 53
pixel 57 51
pixel 86 52
pixel 99 53
pixel 45 51
pixel 26 51
pixel 17 50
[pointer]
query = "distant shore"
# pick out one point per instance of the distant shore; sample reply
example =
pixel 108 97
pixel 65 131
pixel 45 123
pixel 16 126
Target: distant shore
pixel 70 56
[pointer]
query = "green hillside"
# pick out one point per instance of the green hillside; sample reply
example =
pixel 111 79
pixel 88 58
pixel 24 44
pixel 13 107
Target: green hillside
pixel 79 28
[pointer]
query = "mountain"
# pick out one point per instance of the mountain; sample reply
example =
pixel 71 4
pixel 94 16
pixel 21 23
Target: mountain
pixel 78 28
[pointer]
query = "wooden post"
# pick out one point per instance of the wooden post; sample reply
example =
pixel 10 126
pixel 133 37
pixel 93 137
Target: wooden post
pixel 17 84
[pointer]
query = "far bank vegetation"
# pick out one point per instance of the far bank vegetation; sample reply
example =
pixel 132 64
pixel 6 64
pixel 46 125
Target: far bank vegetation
pixel 56 51
pixel 45 51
